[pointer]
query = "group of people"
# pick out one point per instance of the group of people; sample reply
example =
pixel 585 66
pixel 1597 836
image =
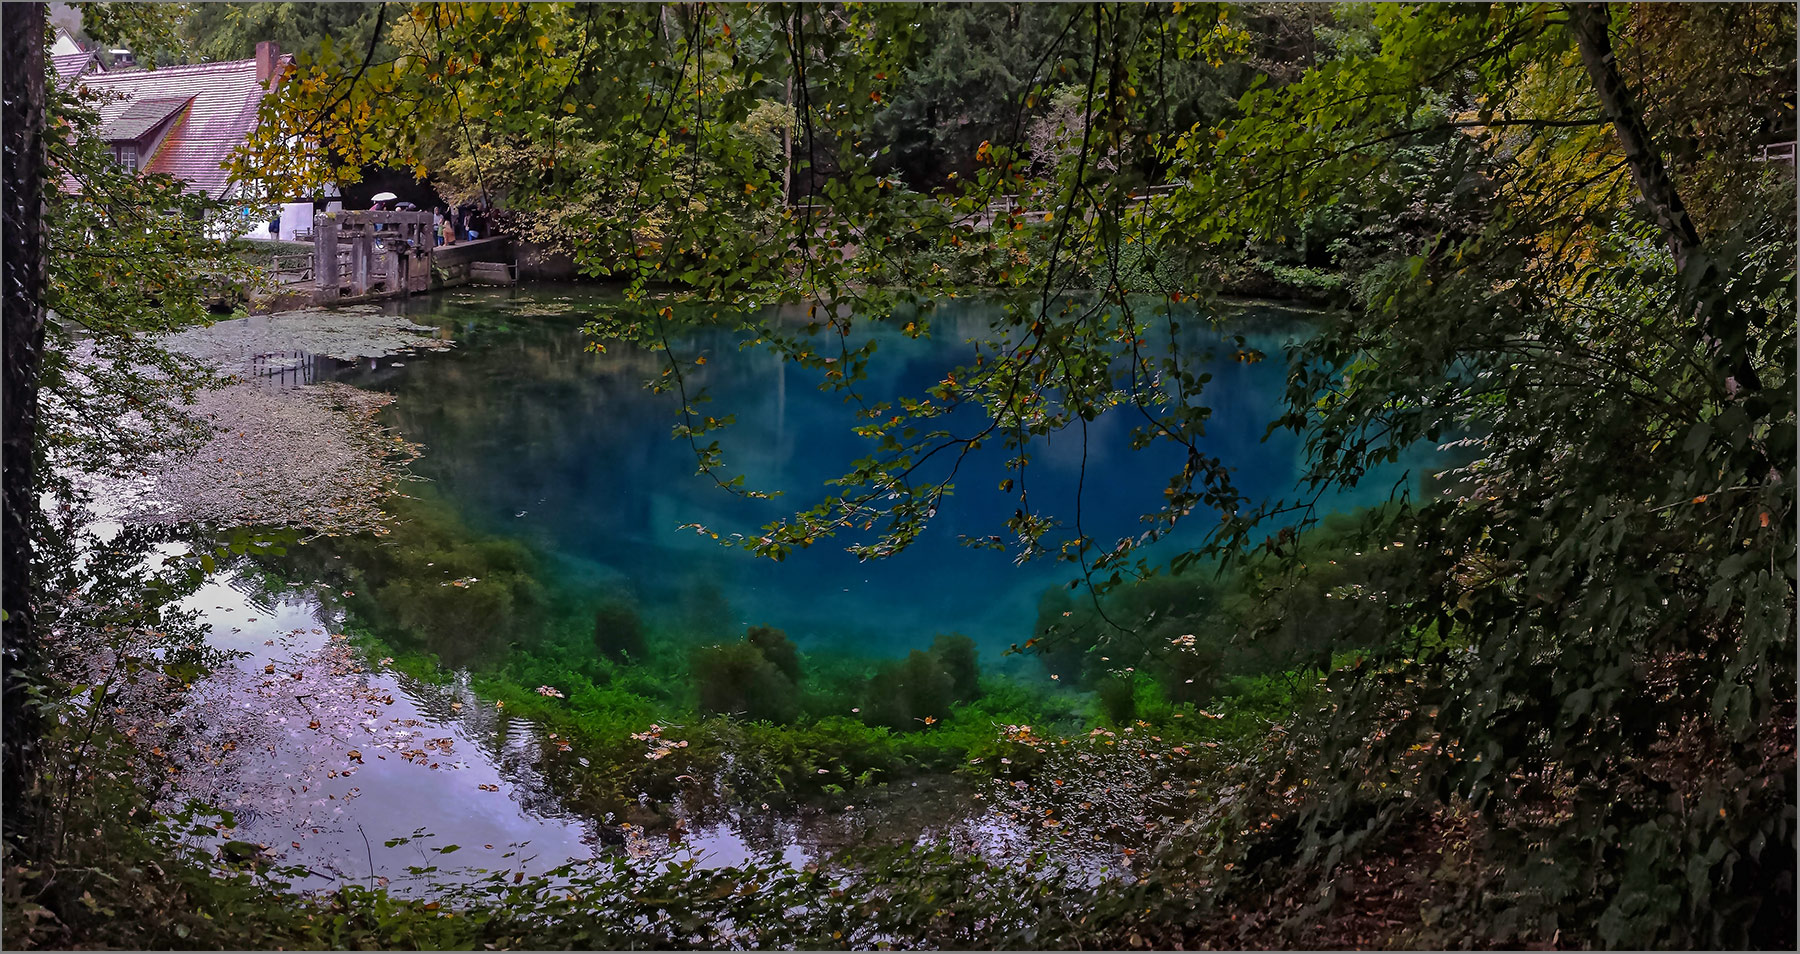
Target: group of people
pixel 465 219
pixel 448 224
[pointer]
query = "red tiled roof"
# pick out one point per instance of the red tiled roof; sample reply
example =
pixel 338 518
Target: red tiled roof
pixel 141 116
pixel 225 100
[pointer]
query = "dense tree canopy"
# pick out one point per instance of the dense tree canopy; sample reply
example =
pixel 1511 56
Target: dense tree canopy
pixel 1560 248
pixel 230 31
pixel 1555 247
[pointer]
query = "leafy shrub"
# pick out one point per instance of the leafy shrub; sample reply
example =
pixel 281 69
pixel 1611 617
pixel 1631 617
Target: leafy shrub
pixel 1187 663
pixel 906 692
pixel 836 683
pixel 958 656
pixel 737 679
pixel 1309 282
pixel 618 630
pixel 1065 636
pixel 432 583
pixel 778 649
pixel 1153 623
pixel 1118 699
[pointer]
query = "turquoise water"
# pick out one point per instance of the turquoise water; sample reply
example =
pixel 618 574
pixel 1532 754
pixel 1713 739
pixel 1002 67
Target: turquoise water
pixel 359 771
pixel 530 435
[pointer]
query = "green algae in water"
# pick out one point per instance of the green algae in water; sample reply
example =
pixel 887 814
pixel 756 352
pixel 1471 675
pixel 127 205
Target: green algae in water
pixel 342 334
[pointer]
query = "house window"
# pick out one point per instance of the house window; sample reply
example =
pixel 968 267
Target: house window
pixel 127 155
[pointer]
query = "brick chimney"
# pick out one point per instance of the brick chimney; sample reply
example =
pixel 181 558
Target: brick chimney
pixel 267 53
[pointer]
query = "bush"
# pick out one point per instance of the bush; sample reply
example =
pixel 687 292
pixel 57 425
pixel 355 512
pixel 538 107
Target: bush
pixel 778 649
pixel 1118 699
pixel 905 693
pixel 1187 659
pixel 957 655
pixel 494 599
pixel 1065 635
pixel 1306 282
pixel 1139 627
pixel 737 679
pixel 618 630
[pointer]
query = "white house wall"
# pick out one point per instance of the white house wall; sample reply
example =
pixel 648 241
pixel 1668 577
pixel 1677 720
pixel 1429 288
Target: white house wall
pixel 295 215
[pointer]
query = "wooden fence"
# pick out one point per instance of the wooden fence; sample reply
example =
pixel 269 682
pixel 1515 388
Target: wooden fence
pixel 1777 152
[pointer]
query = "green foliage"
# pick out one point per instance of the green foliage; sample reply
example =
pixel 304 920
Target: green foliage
pixel 428 584
pixel 966 86
pixel 904 694
pixel 959 658
pixel 1118 699
pixel 423 666
pixel 1583 653
pixel 1189 668
pixel 128 257
pixel 778 649
pixel 152 33
pixel 618 630
pixel 913 693
pixel 738 679
pixel 230 31
pixel 160 888
pixel 126 876
pixel 160 892
pixel 1554 626
pixel 433 584
pixel 1310 283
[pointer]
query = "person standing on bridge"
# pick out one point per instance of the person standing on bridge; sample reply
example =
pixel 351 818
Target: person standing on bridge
pixel 380 205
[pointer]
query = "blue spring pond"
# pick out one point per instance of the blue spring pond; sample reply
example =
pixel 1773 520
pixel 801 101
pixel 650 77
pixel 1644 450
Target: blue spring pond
pixel 531 435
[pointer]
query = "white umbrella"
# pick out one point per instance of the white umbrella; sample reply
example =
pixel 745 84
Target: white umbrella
pixel 383 197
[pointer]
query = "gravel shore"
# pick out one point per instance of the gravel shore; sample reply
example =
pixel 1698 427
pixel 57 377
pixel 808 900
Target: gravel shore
pixel 312 456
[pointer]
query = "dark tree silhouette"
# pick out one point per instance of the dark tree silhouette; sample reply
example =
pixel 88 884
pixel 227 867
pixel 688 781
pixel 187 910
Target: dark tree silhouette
pixel 22 258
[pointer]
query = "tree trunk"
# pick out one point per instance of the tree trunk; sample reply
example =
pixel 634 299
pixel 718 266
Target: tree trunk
pixel 1591 24
pixel 22 28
